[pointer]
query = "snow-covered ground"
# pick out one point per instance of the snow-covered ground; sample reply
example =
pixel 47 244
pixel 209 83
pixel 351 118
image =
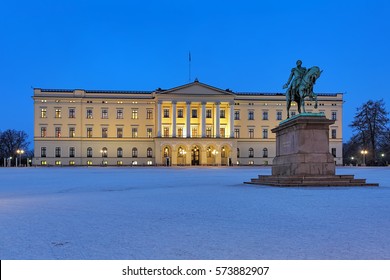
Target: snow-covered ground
pixel 188 213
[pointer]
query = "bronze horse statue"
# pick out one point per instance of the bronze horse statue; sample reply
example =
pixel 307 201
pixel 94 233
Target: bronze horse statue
pixel 304 89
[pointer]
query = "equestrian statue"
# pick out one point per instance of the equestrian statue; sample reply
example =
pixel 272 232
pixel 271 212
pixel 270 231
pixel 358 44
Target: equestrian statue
pixel 301 86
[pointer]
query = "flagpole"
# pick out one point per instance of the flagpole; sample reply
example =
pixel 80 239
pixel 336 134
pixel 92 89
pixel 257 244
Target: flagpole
pixel 189 67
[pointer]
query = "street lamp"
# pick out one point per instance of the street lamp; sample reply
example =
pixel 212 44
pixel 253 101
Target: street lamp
pixel 364 153
pixel 19 152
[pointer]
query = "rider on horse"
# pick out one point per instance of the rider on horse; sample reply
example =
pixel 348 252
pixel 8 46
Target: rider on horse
pixel 298 73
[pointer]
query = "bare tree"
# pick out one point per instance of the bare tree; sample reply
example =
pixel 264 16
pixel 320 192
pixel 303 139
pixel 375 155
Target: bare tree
pixel 370 125
pixel 11 140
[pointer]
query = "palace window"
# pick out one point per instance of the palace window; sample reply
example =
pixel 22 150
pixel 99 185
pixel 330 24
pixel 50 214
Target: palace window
pixel 265 152
pixel 134 114
pixel 166 113
pixel 149 114
pixel 208 132
pixel 72 151
pixel 334 116
pixel 251 133
pixel 72 132
pixel 89 152
pixel 104 132
pixel 208 113
pixel 180 113
pixel 194 113
pixel 334 133
pixel 89 132
pixel 149 152
pixel 236 133
pixel 72 113
pixel 265 115
pixel 43 113
pixel 119 132
pixel 58 152
pixel 149 132
pixel 134 132
pixel 119 113
pixel 222 132
pixel 119 152
pixel 265 133
pixel 166 131
pixel 104 152
pixel 236 115
pixel 251 152
pixel 43 151
pixel 238 152
pixel 194 132
pixel 279 115
pixel 89 114
pixel 251 115
pixel 104 113
pixel 58 132
pixel 134 152
pixel 58 113
pixel 222 113
pixel 180 132
pixel 43 132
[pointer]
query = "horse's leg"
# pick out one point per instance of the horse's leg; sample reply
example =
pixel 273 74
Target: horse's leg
pixel 316 101
pixel 288 103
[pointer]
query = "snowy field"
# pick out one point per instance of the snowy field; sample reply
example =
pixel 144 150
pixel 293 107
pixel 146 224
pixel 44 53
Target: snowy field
pixel 188 213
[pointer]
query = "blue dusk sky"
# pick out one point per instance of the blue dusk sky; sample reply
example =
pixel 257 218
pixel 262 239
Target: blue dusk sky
pixel 144 45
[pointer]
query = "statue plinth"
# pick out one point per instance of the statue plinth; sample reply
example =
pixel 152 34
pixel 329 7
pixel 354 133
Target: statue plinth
pixel 302 146
pixel 303 157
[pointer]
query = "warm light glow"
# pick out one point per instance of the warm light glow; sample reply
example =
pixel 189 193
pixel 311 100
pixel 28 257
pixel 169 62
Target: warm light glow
pixel 364 152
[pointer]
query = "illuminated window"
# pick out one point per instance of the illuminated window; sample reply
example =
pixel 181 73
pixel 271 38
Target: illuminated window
pixel 134 114
pixel 58 113
pixel 149 114
pixel 134 132
pixel 43 113
pixel 149 132
pixel 72 132
pixel 104 152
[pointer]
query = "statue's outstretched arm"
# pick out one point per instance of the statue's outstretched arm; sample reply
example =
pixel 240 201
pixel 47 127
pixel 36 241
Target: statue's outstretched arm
pixel 289 79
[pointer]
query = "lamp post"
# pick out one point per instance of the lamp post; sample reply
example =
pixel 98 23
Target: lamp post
pixel 19 152
pixel 364 153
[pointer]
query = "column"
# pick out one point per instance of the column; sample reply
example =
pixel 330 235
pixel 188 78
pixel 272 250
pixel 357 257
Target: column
pixel 203 119
pixel 232 119
pixel 217 119
pixel 188 120
pixel 159 118
pixel 173 118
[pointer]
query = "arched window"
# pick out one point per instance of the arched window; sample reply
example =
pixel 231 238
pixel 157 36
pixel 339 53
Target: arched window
pixel 166 152
pixel 89 152
pixel 119 152
pixel 251 152
pixel 223 152
pixel 265 152
pixel 181 152
pixel 238 152
pixel 149 152
pixel 208 151
pixel 134 152
pixel 104 152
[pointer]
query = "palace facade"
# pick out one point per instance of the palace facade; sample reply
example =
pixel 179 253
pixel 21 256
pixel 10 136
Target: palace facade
pixel 192 124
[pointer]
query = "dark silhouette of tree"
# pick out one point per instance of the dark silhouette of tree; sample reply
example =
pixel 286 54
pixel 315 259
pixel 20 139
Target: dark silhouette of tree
pixel 10 141
pixel 370 125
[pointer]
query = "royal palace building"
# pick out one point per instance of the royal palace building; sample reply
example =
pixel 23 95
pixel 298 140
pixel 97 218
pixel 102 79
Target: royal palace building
pixel 193 124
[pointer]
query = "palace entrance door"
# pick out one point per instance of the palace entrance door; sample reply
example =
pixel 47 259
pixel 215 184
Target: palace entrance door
pixel 195 155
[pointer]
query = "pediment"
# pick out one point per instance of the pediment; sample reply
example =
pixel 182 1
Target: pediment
pixel 196 88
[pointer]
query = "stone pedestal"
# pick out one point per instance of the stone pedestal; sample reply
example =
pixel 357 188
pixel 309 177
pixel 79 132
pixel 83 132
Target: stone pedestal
pixel 303 157
pixel 302 146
